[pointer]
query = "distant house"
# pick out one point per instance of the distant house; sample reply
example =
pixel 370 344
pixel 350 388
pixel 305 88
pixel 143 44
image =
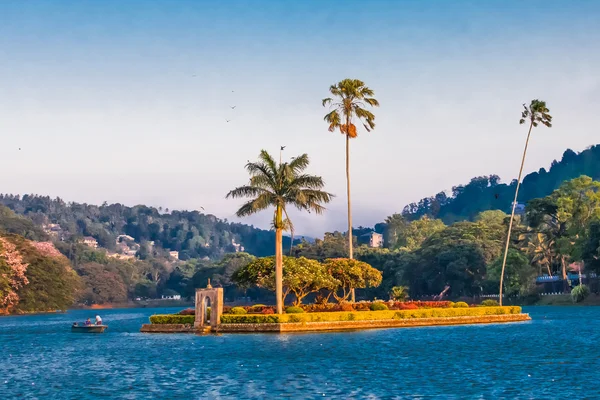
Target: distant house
pixel 174 254
pixel 54 231
pixel 238 247
pixel 90 241
pixel 172 297
pixel 372 239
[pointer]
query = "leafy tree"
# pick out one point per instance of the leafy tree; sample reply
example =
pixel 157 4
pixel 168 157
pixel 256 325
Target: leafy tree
pixel 44 281
pixel 12 223
pixel 350 97
pixel 520 274
pixel 12 275
pixel 279 185
pixel 333 245
pixel 417 231
pixel 352 274
pixel 537 113
pixel 102 284
pixel 565 218
pixel 590 248
pixel 301 276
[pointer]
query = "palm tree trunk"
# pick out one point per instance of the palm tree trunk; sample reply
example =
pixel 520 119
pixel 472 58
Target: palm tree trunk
pixel 565 276
pixel 512 214
pixel 350 252
pixel 279 261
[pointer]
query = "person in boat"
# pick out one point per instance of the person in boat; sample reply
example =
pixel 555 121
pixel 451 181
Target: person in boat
pixel 75 324
pixel 98 320
pixel 88 322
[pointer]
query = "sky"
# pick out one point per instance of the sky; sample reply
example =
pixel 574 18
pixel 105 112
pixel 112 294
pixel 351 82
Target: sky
pixel 127 101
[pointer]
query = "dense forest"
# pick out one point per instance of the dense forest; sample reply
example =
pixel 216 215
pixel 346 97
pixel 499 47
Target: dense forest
pixel 488 193
pixel 191 233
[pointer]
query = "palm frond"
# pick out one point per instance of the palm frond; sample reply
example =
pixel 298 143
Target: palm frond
pixel 266 158
pixel 262 202
pixel 299 164
pixel 243 191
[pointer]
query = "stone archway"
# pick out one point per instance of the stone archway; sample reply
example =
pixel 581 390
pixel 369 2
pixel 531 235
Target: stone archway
pixel 214 297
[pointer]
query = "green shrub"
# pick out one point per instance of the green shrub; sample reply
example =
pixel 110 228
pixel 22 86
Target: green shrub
pixel 579 293
pixel 489 303
pixel 237 311
pixel 172 319
pixel 249 319
pixel 378 306
pixel 399 293
pixel 460 304
pixel 294 310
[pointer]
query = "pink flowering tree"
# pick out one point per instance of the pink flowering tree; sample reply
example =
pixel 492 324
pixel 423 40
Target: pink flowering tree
pixel 12 275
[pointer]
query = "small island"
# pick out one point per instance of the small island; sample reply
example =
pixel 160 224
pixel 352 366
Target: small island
pixel 326 316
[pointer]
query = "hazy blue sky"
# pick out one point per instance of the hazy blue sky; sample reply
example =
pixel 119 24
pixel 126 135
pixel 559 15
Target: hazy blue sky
pixel 127 101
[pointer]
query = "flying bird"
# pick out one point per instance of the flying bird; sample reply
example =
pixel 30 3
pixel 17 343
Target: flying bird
pixel 282 148
pixel 227 120
pixel 233 107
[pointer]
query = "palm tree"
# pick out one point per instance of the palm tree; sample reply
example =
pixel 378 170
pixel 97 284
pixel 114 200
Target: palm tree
pixel 537 113
pixel 279 185
pixel 350 97
pixel 540 247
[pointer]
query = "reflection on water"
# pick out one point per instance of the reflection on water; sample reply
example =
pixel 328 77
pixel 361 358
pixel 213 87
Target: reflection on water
pixel 553 356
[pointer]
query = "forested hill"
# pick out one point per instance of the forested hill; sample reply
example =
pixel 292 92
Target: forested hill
pixel 193 234
pixel 487 193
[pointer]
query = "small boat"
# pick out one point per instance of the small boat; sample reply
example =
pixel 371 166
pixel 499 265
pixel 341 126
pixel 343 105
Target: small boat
pixel 88 328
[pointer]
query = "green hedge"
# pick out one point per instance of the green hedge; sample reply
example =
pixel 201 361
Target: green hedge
pixel 294 310
pixel 460 304
pixel 172 319
pixel 369 315
pixel 379 306
pixel 249 319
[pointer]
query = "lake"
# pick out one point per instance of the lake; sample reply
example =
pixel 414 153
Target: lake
pixel 554 356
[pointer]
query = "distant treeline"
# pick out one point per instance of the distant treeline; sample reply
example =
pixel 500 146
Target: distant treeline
pixel 191 233
pixel 487 193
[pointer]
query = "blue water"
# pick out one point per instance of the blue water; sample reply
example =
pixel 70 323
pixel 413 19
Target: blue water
pixel 554 356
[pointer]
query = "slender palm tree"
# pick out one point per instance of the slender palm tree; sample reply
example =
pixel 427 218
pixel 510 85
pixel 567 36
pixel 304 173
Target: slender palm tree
pixel 349 102
pixel 279 185
pixel 537 113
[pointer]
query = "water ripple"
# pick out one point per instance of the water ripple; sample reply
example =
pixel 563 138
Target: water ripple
pixel 554 356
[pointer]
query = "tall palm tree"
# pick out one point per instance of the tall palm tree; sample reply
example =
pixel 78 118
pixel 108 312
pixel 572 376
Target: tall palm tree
pixel 279 185
pixel 349 101
pixel 537 113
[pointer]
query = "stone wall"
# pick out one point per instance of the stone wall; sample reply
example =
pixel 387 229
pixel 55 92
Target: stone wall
pixel 168 328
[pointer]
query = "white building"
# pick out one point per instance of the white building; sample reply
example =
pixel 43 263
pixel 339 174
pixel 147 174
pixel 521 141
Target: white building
pixel 173 297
